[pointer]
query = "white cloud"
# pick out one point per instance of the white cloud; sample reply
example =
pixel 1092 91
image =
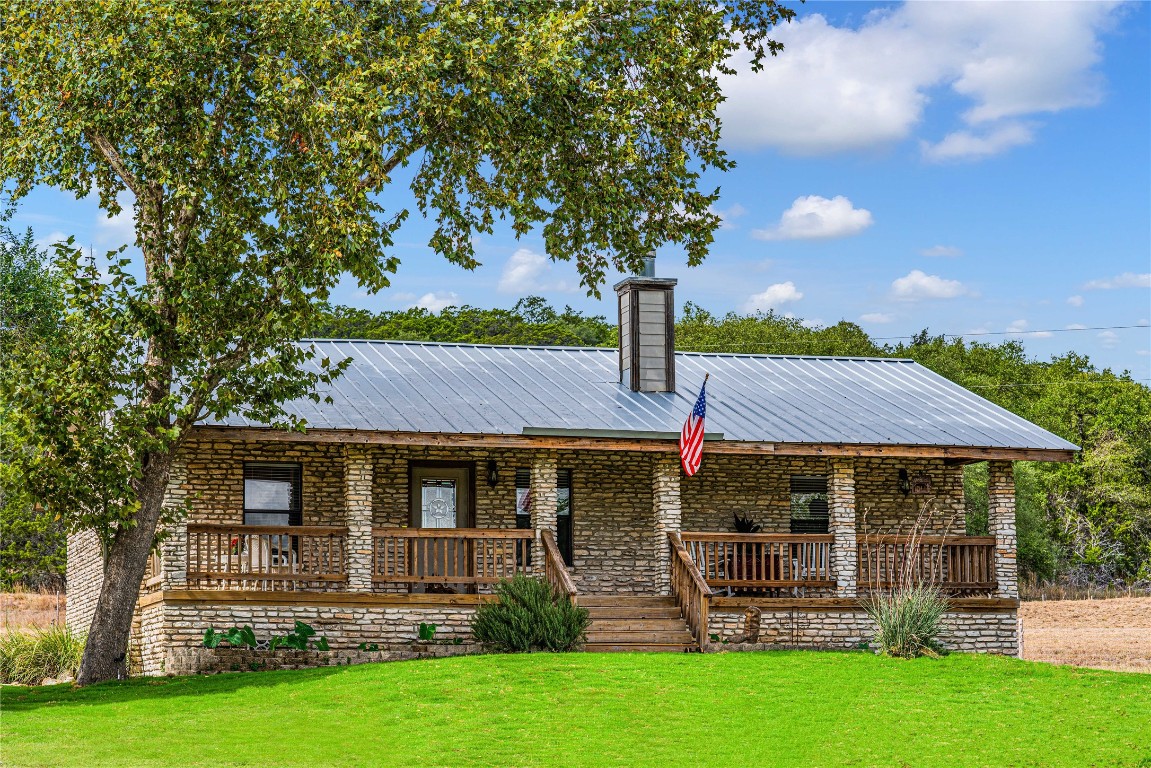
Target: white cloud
pixel 1076 327
pixel 839 88
pixel 972 145
pixel 727 216
pixel 877 317
pixel 403 296
pixel 1109 339
pixel 1143 352
pixel 949 251
pixel 527 271
pixel 814 217
pixel 438 301
pixel 813 323
pixel 50 240
pixel 1075 301
pixel 1019 328
pixel 114 231
pixel 1125 280
pixel 916 286
pixel 774 296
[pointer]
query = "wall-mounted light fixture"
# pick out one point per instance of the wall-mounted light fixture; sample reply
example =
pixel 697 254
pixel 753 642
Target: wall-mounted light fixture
pixel 904 482
pixel 493 474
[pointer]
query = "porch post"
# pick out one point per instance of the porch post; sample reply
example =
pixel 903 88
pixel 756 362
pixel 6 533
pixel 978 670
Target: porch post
pixel 1001 522
pixel 668 517
pixel 358 475
pixel 841 525
pixel 545 500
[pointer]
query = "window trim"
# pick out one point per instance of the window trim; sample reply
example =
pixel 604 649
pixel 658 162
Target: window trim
pixel 296 511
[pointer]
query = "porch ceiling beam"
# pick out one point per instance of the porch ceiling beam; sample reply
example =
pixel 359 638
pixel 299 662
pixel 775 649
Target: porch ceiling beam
pixel 364 437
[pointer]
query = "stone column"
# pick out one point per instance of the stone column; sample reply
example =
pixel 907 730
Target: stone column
pixel 1001 522
pixel 358 475
pixel 174 533
pixel 545 501
pixel 841 525
pixel 668 516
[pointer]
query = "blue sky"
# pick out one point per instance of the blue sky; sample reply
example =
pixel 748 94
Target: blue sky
pixel 967 168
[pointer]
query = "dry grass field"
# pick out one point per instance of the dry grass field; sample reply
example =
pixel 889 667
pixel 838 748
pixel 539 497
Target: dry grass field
pixel 1105 634
pixel 31 610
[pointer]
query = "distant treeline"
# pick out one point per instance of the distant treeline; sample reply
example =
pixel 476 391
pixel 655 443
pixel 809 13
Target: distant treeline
pixel 1088 521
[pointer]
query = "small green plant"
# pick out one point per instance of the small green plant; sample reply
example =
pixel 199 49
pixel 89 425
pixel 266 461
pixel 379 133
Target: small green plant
pixel 530 615
pixel 237 637
pixel 745 524
pixel 27 658
pixel 427 632
pixel 299 638
pixel 369 646
pixel 907 620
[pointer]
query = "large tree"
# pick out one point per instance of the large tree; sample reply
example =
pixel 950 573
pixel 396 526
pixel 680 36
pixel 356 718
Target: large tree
pixel 254 140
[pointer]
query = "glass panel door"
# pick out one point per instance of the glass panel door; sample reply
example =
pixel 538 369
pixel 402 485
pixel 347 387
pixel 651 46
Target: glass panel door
pixel 438 503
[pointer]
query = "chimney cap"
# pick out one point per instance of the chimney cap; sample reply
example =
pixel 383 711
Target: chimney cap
pixel 639 281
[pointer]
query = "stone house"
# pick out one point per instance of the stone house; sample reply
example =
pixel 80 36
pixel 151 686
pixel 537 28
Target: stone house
pixel 437 469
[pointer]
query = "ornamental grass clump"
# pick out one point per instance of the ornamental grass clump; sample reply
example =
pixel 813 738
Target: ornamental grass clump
pixel 907 620
pixel 28 658
pixel 530 615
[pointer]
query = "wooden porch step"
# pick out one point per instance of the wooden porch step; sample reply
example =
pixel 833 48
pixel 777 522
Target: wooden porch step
pixel 639 637
pixel 632 648
pixel 628 601
pixel 608 613
pixel 638 623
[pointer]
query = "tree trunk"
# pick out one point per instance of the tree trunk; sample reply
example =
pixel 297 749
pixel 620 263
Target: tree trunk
pixel 105 653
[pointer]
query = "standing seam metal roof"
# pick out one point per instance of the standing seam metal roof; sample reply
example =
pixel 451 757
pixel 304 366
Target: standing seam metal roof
pixel 406 386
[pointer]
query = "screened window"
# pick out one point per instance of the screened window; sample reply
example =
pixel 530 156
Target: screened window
pixel 808 504
pixel 272 494
pixel 563 508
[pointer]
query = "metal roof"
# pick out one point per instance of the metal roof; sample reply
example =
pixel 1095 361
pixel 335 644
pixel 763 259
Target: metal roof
pixel 406 386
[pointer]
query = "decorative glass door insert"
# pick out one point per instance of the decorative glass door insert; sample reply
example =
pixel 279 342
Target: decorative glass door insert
pixel 438 503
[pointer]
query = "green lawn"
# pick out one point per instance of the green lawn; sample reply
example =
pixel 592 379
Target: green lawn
pixel 739 709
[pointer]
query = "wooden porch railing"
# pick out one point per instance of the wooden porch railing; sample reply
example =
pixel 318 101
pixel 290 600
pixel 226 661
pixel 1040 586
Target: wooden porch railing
pixel 449 555
pixel 266 557
pixel 691 592
pixel 960 565
pixel 153 578
pixel 761 560
pixel 555 570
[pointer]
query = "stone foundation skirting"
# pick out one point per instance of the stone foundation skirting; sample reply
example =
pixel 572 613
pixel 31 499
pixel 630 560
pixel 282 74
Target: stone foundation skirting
pixel 969 631
pixel 207 661
pixel 170 633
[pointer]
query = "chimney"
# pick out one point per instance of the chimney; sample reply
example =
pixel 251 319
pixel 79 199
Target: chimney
pixel 647 331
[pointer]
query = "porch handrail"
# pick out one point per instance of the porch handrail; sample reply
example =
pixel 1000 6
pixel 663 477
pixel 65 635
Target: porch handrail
pixel 555 570
pixel 957 564
pixel 691 592
pixel 266 556
pixel 449 555
pixel 761 560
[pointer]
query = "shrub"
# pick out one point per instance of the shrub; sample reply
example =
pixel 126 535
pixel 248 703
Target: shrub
pixel 907 620
pixel 27 658
pixel 530 616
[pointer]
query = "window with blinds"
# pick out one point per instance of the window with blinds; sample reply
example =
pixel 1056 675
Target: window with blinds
pixel 809 508
pixel 563 508
pixel 272 494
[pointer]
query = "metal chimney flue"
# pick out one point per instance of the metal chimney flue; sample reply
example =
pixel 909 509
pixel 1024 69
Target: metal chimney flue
pixel 647 330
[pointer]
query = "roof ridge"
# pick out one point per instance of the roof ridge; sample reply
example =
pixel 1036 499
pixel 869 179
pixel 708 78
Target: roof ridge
pixel 615 350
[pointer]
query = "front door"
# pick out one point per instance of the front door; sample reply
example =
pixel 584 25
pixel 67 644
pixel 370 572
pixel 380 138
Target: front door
pixel 441 499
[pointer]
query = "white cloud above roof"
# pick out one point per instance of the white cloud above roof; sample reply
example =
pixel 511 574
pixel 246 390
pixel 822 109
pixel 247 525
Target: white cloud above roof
pixel 814 218
pixel 948 251
pixel 1125 280
pixel 527 271
pixel 775 296
pixel 917 286
pixel 840 88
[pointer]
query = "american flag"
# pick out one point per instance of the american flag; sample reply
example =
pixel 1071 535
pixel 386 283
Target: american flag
pixel 691 438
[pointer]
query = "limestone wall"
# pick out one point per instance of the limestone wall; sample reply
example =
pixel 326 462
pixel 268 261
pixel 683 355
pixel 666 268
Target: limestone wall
pixel 85 574
pixel 169 630
pixel 972 632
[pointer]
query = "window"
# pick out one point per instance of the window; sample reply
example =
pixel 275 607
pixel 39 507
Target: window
pixel 808 504
pixel 563 508
pixel 272 494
